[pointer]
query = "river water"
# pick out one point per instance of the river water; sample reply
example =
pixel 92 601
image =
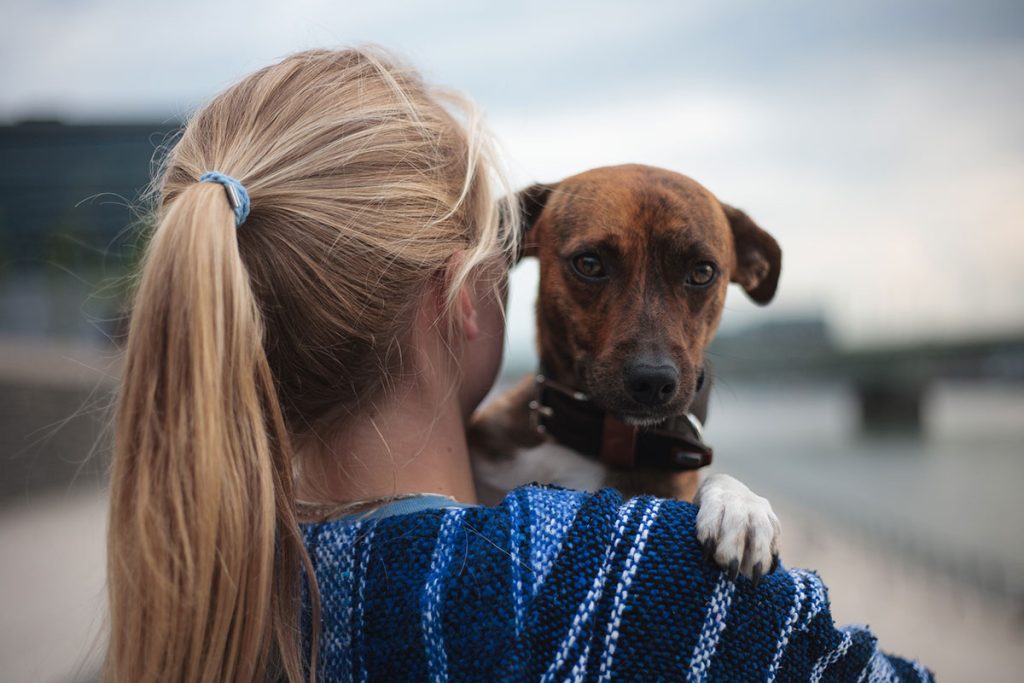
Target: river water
pixel 951 498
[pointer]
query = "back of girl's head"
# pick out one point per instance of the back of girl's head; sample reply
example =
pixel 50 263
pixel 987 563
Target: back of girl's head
pixel 364 188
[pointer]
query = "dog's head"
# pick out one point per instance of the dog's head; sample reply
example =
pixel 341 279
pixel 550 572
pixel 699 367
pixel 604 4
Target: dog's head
pixel 635 262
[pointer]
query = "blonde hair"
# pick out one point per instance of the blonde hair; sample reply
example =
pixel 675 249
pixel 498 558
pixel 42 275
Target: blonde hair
pixel 364 186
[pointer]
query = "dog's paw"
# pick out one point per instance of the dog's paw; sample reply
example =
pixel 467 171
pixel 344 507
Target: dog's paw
pixel 737 527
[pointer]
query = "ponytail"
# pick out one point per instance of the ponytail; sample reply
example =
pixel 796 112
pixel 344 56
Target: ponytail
pixel 204 552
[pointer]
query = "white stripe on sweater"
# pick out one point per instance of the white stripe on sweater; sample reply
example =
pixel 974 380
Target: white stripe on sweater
pixel 611 636
pixel 550 521
pixel 830 658
pixel 878 669
pixel 518 599
pixel 433 635
pixel 817 593
pixel 336 571
pixel 714 624
pixel 867 668
pixel 360 673
pixel 787 628
pixel 881 670
pixel 587 608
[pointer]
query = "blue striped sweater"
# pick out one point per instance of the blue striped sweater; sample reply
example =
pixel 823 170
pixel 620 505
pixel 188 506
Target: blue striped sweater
pixel 559 585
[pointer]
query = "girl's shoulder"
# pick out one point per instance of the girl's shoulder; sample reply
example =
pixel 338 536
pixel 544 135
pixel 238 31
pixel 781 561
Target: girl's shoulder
pixel 534 521
pixel 573 582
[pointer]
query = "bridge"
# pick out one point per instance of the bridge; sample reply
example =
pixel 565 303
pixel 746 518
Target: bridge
pixel 891 381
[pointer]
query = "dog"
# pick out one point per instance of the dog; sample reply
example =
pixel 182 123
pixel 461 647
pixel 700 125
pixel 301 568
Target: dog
pixel 634 266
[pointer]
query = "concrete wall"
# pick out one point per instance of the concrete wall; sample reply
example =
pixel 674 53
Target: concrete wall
pixel 55 405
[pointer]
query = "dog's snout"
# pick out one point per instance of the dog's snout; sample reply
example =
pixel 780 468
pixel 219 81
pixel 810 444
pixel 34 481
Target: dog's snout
pixel 652 385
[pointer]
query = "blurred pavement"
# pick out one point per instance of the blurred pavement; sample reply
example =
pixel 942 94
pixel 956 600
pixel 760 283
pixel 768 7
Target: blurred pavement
pixel 52 572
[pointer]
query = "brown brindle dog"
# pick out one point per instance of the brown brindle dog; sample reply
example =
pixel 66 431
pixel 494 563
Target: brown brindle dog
pixel 634 266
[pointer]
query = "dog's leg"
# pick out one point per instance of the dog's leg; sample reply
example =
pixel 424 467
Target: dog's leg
pixel 737 527
pixel 639 482
pixel 503 426
pixel 497 433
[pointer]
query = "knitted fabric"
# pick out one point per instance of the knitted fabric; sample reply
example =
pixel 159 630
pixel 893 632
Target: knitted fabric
pixel 559 585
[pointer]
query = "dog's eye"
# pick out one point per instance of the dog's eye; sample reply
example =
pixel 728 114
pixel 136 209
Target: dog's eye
pixel 702 275
pixel 588 265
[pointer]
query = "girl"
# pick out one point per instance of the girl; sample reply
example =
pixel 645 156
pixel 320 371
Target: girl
pixel 318 314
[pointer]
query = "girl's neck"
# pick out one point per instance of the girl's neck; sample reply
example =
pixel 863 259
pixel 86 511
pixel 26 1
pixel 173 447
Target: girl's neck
pixel 413 443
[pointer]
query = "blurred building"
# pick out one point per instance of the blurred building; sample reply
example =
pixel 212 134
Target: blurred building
pixel 70 223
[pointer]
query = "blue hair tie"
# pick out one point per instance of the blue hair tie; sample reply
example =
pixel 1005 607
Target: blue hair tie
pixel 237 195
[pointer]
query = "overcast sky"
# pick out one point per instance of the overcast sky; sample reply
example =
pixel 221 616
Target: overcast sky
pixel 881 142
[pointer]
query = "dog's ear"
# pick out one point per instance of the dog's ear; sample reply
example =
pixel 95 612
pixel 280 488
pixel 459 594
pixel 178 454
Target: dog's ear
pixel 758 257
pixel 532 201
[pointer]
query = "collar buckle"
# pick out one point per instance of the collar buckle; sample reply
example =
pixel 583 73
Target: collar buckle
pixel 540 410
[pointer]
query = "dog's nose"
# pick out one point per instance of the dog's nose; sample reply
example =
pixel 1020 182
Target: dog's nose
pixel 651 385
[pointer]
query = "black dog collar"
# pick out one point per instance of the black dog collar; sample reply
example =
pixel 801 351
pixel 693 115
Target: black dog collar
pixel 573 420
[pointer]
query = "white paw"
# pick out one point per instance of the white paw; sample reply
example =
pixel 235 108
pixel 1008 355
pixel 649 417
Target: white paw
pixel 737 527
